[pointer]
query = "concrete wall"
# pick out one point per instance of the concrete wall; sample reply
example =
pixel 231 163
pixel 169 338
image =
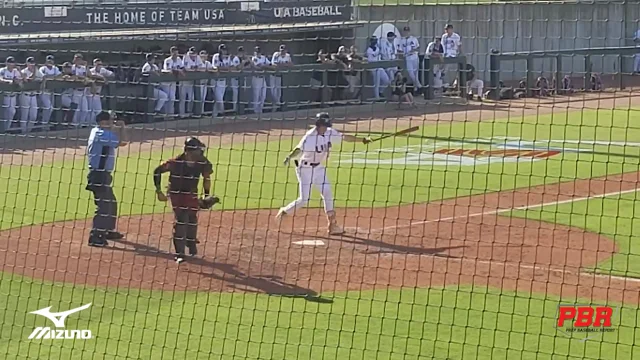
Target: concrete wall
pixel 519 27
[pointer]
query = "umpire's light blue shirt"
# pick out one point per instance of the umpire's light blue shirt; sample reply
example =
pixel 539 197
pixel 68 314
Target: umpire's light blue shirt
pixel 101 150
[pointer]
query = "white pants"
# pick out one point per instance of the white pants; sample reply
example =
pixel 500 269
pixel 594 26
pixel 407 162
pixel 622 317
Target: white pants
pixel 380 78
pixel 234 93
pixel 413 66
pixel 276 90
pixel 203 95
pixel 259 88
pixel 47 108
pixel 186 98
pixel 9 103
pixel 391 73
pixel 307 178
pixel 170 90
pixel 28 112
pixel 477 85
pixel 81 113
pixel 636 63
pixel 218 94
pixel 160 97
pixel 95 107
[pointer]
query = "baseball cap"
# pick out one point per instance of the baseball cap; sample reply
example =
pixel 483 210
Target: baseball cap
pixel 391 34
pixel 30 60
pixel 77 56
pixel 173 48
pixel 10 60
pixel 342 48
pixel 449 26
pixel 66 65
pixel 96 60
pixel 150 56
pixel 240 48
pixel 50 58
pixel 192 50
pixel 283 46
pixel 222 47
pixel 438 37
pixel 103 116
pixel 203 52
pixel 323 119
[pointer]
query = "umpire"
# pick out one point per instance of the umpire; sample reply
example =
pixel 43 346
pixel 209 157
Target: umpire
pixel 108 135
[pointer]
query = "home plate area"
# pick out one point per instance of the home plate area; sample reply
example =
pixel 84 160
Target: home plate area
pixel 248 251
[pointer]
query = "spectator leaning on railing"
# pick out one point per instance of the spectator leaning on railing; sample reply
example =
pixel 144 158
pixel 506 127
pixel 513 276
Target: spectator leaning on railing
pixel 281 59
pixel 452 48
pixel 28 99
pixel 322 91
pixel 172 64
pixel 191 62
pixel 435 52
pixel 354 75
pixel 379 75
pixel 221 62
pixel 258 82
pixel 48 71
pixel 388 53
pixel 341 79
pixel 9 75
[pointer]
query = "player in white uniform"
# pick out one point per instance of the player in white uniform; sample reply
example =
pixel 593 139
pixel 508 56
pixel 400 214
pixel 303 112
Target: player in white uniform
pixel 191 62
pixel 281 60
pixel 221 62
pixel 97 72
pixel 29 99
pixel 388 53
pixel 48 71
pixel 380 77
pixel 172 64
pixel 79 99
pixel 435 51
pixel 9 74
pixel 238 62
pixel 409 47
pixel 452 45
pixel 204 90
pixel 636 59
pixel 159 96
pixel 312 153
pixel 258 82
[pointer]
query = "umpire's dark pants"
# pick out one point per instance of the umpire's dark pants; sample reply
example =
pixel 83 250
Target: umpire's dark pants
pixel 185 227
pixel 104 220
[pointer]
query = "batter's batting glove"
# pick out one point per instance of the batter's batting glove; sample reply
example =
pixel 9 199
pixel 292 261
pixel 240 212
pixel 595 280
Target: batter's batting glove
pixel 208 202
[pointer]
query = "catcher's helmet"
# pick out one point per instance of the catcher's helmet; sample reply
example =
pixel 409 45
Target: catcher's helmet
pixel 193 144
pixel 323 119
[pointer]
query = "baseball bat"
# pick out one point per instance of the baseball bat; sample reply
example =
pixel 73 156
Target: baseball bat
pixel 397 133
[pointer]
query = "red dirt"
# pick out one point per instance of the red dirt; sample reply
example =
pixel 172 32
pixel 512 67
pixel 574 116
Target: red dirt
pixel 456 241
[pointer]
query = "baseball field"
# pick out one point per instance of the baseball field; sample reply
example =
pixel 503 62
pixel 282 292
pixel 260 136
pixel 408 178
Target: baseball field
pixel 462 239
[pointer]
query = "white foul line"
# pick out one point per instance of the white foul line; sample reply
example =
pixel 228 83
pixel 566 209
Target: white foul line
pixel 499 211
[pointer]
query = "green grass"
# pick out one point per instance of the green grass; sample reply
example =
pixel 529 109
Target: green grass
pixel 451 323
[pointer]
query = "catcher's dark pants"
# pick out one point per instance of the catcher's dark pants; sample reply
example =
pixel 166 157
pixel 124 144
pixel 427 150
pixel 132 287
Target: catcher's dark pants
pixel 104 220
pixel 185 226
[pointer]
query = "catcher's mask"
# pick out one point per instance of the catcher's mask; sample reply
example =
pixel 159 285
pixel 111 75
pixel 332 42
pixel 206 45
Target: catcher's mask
pixel 193 145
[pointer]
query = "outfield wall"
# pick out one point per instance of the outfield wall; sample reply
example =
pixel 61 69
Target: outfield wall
pixel 518 27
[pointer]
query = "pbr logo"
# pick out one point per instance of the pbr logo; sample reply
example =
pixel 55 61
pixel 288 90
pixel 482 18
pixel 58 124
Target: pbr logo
pixel 585 321
pixel 58 321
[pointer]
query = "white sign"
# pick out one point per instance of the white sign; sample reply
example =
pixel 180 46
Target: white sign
pixel 306 11
pixel 58 321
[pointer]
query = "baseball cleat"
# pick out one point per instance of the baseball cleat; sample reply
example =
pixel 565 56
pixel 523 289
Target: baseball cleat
pixel 114 235
pixel 281 213
pixel 179 259
pixel 98 242
pixel 335 230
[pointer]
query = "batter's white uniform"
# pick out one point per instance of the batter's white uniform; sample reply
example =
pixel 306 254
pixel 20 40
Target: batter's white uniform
pixel 259 84
pixel 379 75
pixel 451 44
pixel 187 87
pixel 636 59
pixel 9 101
pixel 311 169
pixel 276 81
pixel 79 97
pixel 29 102
pixel 388 53
pixel 170 87
pixel 160 97
pixel 410 47
pixel 220 87
pixel 46 97
pixel 95 99
pixel 235 62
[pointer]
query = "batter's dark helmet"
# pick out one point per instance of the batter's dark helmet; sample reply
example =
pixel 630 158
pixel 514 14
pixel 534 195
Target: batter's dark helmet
pixel 193 144
pixel 323 119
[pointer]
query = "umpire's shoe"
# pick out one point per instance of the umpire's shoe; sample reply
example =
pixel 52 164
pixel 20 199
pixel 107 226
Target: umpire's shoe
pixel 114 235
pixel 179 258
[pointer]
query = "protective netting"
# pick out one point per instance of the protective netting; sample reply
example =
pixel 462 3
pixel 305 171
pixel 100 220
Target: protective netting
pixel 319 180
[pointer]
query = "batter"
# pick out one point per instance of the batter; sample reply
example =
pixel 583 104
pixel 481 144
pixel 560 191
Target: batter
pixel 311 154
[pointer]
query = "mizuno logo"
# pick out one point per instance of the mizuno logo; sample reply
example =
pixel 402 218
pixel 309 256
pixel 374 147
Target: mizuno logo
pixel 58 319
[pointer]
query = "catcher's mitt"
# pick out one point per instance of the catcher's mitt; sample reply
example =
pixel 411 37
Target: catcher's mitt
pixel 208 202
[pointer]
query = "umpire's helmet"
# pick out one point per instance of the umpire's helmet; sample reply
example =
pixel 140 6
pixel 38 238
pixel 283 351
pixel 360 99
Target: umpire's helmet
pixel 323 119
pixel 193 144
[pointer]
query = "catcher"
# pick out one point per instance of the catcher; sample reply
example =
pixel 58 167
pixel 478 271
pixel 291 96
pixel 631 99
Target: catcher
pixel 184 174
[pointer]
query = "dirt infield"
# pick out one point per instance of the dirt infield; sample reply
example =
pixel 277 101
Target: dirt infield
pixel 459 241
